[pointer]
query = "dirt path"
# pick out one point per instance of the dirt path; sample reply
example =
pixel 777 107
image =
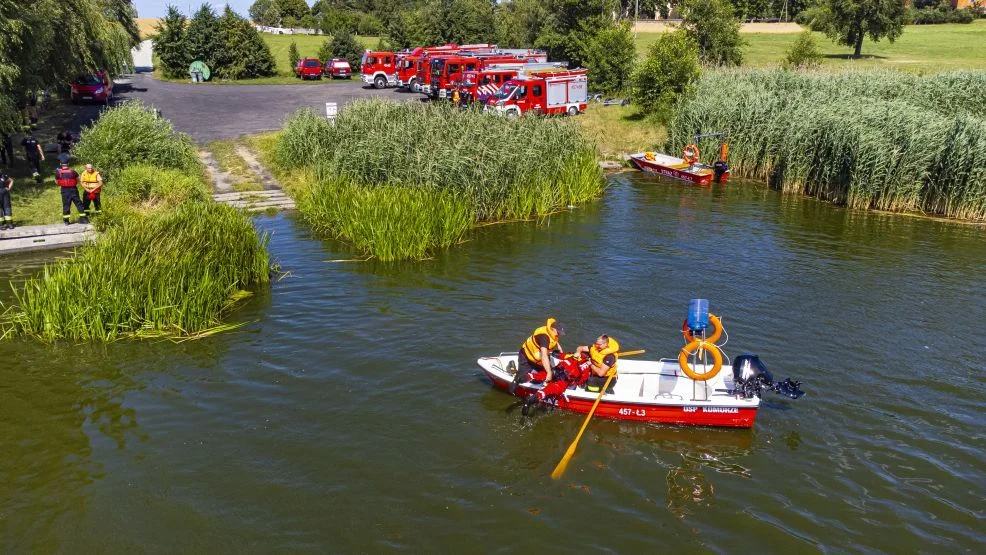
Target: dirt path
pixel 222 182
pixel 266 179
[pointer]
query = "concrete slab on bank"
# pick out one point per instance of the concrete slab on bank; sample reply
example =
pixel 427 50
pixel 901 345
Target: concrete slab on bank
pixel 42 237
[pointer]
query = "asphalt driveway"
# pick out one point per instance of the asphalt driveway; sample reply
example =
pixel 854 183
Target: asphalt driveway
pixel 210 112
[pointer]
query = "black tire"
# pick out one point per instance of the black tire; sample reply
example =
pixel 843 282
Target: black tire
pixel 573 111
pixel 380 81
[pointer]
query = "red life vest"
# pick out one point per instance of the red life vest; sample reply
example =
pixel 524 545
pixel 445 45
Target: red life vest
pixel 66 178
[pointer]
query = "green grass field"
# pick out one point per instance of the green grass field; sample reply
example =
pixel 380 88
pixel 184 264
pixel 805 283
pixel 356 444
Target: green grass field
pixel 922 48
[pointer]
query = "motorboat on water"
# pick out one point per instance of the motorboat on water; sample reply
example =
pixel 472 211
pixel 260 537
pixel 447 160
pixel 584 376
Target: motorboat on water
pixel 689 390
pixel 688 167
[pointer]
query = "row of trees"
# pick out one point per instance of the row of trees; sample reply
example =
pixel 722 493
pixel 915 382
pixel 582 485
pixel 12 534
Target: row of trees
pixel 229 45
pixel 44 44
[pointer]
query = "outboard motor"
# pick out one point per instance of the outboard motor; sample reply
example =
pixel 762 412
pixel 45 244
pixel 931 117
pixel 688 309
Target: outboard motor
pixel 750 378
pixel 720 171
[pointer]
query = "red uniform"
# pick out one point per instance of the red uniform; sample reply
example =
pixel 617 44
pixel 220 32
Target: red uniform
pixel 572 370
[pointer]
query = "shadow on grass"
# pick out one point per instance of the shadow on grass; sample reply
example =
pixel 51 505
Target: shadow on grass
pixel 851 57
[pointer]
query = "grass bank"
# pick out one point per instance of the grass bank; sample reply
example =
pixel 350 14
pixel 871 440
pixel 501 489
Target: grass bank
pixel 922 48
pixel 400 180
pixel 169 262
pixel 870 139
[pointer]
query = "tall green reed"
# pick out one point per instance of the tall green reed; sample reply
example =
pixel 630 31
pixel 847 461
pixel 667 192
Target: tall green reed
pixel 459 162
pixel 864 139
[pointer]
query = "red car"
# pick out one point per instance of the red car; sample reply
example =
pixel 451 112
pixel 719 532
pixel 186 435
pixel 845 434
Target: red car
pixel 308 68
pixel 94 87
pixel 338 68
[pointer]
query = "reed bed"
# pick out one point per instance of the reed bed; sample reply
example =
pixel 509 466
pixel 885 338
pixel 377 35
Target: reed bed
pixel 168 273
pixel 864 139
pixel 414 178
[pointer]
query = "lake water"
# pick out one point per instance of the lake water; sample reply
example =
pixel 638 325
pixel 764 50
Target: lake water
pixel 348 414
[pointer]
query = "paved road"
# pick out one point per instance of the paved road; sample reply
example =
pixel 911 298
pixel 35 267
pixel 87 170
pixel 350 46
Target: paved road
pixel 210 112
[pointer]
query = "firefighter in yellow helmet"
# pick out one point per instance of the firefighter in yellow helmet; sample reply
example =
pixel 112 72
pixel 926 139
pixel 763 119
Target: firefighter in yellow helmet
pixel 535 353
pixel 603 354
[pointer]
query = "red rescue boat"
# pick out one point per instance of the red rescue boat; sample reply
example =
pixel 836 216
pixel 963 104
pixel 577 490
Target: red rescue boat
pixel 688 167
pixel 646 391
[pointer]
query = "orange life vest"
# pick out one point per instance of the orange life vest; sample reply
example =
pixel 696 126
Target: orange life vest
pixel 532 350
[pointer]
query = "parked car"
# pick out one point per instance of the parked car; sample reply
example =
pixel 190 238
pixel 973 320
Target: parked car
pixel 308 68
pixel 338 68
pixel 93 87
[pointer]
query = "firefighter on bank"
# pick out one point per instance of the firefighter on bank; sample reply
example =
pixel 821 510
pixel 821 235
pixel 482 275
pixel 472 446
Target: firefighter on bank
pixel 68 181
pixel 92 183
pixel 535 353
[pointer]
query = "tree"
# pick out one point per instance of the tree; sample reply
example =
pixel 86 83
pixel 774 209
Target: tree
pixel 345 46
pixel 293 8
pixel 259 12
pixel 408 30
pixel 272 15
pixel 170 45
pixel 460 21
pixel 244 53
pixel 308 22
pixel 712 25
pixel 519 22
pixel 847 22
pixel 569 27
pixel 804 53
pixel 610 57
pixel 667 73
pixel 293 55
pixel 202 40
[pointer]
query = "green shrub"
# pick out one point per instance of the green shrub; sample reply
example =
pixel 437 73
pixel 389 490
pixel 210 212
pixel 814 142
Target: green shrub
pixel 142 183
pixel 667 74
pixel 804 53
pixel 714 27
pixel 609 58
pixel 171 273
pixel 293 55
pixel 131 133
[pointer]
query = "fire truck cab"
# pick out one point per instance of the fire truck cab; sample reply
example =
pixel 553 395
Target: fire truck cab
pixel 542 92
pixel 379 69
pixel 448 71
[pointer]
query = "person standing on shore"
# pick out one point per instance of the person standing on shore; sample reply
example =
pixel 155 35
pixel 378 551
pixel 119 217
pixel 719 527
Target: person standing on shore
pixel 68 180
pixel 92 183
pixel 6 184
pixel 7 150
pixel 33 153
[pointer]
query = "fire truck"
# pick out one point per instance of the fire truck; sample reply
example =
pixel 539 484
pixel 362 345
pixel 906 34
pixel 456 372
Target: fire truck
pixel 542 92
pixel 446 71
pixel 479 86
pixel 379 69
pixel 412 62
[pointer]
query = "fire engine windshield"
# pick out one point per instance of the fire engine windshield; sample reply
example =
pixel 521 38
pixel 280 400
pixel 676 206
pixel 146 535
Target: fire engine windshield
pixel 436 67
pixel 506 91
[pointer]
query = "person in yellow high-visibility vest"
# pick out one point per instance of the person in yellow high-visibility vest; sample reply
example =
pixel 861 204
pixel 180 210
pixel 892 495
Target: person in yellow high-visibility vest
pixel 92 182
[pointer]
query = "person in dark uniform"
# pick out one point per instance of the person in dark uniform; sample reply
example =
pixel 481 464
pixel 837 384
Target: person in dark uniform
pixel 65 141
pixel 68 180
pixel 33 153
pixel 7 150
pixel 535 353
pixel 6 184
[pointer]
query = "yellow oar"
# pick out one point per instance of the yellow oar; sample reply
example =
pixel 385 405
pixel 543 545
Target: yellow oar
pixel 563 463
pixel 630 353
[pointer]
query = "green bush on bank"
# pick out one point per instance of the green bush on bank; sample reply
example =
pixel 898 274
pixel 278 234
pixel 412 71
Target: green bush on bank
pixel 167 273
pixel 500 169
pixel 867 140
pixel 143 184
pixel 132 134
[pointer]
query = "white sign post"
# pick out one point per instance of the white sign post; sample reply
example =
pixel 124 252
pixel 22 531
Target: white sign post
pixel 331 109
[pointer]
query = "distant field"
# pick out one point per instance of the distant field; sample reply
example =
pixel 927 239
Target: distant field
pixel 308 46
pixel 146 26
pixel 923 48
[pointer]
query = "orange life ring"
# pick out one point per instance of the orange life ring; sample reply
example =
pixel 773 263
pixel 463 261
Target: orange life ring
pixel 691 154
pixel 716 323
pixel 687 351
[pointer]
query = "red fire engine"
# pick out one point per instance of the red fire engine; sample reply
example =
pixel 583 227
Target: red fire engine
pixel 542 92
pixel 479 86
pixel 379 69
pixel 412 62
pixel 446 71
